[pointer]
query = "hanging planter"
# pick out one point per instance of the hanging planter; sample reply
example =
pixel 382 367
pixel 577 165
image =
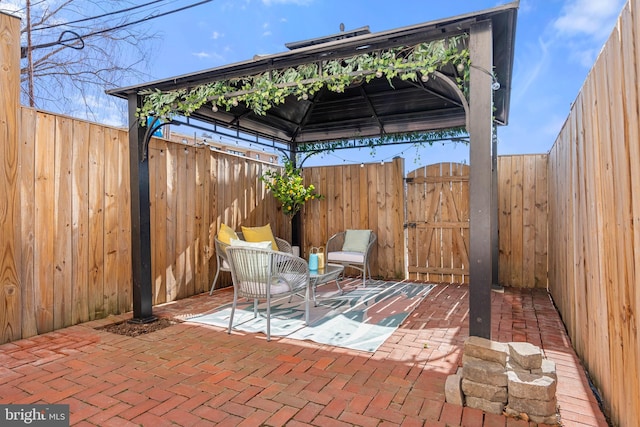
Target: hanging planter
pixel 289 189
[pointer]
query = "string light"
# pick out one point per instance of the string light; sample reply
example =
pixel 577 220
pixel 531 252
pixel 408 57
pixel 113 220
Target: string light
pixel 386 159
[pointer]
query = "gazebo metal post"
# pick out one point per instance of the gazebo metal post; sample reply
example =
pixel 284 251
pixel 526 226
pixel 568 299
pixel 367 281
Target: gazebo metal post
pixel 480 123
pixel 140 216
pixel 296 220
pixel 495 238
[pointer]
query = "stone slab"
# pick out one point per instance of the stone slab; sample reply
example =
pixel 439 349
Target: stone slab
pixel 488 392
pixel 525 354
pixel 531 386
pixel 531 407
pixel 548 369
pixel 481 371
pixel 453 390
pixel 485 405
pixel 485 349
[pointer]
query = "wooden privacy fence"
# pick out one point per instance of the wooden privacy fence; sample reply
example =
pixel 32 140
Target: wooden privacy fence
pixel 194 190
pixel 367 196
pixel 522 221
pixel 438 223
pixel 594 212
pixel 74 224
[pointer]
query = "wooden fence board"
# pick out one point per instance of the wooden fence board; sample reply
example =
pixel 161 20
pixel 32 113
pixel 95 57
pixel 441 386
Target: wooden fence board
pixel 190 216
pixel 631 69
pixel 111 227
pixel 10 230
pixel 96 222
pixel 172 253
pixel 504 219
pixel 528 221
pixel 125 280
pixel 517 241
pixel 199 235
pixel 541 245
pixel 623 221
pixel 80 222
pixel 44 222
pixel 62 251
pixel 26 326
pixel 158 164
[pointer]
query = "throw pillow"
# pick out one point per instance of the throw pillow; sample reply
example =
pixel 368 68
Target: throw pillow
pixel 261 259
pixel 356 240
pixel 260 234
pixel 257 245
pixel 226 233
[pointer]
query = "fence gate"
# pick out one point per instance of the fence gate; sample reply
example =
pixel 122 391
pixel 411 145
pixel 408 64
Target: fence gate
pixel 438 223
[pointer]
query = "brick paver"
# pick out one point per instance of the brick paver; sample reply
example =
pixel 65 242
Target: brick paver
pixel 195 375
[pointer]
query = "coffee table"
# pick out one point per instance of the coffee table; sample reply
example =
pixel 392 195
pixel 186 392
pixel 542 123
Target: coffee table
pixel 324 275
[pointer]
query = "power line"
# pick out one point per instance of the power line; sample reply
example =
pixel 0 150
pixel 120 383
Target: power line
pixel 66 42
pixel 115 12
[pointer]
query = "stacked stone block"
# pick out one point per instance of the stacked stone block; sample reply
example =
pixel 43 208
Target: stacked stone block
pixel 512 378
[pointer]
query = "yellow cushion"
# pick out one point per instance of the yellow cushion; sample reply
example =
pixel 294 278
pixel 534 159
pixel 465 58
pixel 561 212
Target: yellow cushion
pixel 226 233
pixel 260 234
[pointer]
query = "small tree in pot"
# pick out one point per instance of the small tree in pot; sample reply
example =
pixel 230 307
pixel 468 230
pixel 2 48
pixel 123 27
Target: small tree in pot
pixel 288 188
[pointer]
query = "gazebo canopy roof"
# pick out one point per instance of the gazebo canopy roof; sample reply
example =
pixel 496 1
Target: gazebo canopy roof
pixel 366 109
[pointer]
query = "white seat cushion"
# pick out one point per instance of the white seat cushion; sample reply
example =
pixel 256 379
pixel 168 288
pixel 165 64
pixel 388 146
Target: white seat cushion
pixel 346 256
pixel 257 288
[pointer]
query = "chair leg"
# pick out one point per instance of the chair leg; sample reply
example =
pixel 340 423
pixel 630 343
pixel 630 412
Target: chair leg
pixel 233 310
pixel 215 279
pixel 268 318
pixel 339 288
pixel 306 306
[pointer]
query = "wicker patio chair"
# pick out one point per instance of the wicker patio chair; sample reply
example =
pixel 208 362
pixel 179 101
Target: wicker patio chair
pixel 222 264
pixel 352 248
pixel 261 274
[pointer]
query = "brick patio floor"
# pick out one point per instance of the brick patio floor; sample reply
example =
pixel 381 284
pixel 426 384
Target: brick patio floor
pixel 196 375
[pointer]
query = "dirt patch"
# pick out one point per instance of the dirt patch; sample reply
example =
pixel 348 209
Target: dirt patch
pixel 135 329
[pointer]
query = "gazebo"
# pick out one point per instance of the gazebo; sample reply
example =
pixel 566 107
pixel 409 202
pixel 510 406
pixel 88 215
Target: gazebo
pixel 350 89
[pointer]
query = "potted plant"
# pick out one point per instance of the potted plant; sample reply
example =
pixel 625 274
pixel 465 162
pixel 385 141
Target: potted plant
pixel 289 189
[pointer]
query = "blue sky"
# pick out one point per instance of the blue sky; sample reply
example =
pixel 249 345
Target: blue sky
pixel 557 42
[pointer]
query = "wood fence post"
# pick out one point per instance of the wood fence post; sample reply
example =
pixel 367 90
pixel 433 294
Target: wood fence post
pixel 10 291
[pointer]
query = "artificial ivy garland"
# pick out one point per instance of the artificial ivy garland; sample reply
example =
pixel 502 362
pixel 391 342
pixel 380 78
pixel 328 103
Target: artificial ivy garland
pixel 263 91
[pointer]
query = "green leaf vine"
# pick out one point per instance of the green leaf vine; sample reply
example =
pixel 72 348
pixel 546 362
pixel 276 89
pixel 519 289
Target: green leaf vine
pixel 419 138
pixel 263 91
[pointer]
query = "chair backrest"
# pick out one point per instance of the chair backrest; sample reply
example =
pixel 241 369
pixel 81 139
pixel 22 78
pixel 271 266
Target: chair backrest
pixel 336 242
pixel 256 272
pixel 221 247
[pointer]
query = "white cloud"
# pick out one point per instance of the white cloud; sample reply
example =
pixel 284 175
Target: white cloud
pixel 595 18
pixel 530 71
pixel 100 109
pixel 201 55
pixel 216 35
